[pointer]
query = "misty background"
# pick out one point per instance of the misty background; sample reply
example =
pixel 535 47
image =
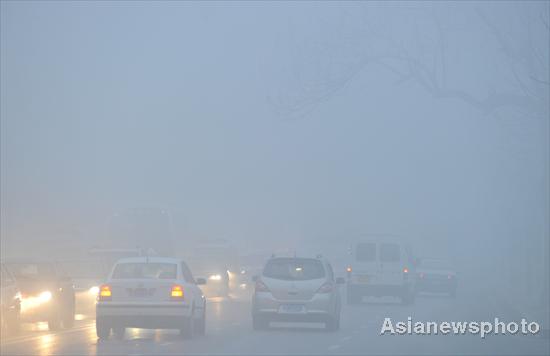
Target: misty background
pixel 281 123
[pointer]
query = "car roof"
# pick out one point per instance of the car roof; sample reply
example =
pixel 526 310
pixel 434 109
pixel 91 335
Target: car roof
pixel 149 259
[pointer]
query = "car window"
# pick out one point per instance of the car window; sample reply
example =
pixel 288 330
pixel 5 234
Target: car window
pixel 294 269
pixel 187 275
pixel 365 252
pixel 390 253
pixel 145 270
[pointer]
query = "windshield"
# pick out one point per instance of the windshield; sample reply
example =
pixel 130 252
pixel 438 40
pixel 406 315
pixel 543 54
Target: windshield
pixel 294 269
pixel 145 271
pixel 32 270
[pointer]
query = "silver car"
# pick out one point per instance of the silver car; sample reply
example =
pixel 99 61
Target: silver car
pixel 297 289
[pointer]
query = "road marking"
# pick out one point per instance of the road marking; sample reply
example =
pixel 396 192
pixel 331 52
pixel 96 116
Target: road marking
pixel 334 347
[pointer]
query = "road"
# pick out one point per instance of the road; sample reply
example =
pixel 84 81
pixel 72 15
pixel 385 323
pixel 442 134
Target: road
pixel 229 331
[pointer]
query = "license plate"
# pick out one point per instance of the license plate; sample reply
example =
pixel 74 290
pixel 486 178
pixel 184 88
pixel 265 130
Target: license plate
pixel 292 308
pixel 142 292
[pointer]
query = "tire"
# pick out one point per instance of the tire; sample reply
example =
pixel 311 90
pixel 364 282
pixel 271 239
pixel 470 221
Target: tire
pixel 102 329
pixel 188 329
pixel 119 332
pixel 54 323
pixel 68 318
pixel 259 322
pixel 332 323
pixel 200 325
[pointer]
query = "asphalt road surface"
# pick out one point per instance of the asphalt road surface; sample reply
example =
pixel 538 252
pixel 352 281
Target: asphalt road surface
pixel 229 331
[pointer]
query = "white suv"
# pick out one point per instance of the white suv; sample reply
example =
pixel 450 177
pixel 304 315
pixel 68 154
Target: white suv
pixel 380 268
pixel 153 293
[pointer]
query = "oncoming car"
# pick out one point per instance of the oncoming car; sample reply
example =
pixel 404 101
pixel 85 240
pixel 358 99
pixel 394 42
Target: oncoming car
pixel 47 293
pixel 150 293
pixel 297 289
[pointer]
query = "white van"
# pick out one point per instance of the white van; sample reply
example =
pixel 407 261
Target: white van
pixel 380 268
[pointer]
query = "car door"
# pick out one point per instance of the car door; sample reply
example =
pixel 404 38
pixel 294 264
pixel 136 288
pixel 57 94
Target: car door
pixel 192 285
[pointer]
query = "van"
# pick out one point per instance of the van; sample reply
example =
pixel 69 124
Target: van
pixel 380 268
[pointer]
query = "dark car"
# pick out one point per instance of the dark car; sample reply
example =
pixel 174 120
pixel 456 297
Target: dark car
pixel 47 293
pixel 10 303
pixel 436 276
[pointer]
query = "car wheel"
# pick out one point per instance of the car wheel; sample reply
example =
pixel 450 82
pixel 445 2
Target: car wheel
pixel 102 329
pixel 68 318
pixel 119 332
pixel 259 322
pixel 188 328
pixel 200 325
pixel 54 323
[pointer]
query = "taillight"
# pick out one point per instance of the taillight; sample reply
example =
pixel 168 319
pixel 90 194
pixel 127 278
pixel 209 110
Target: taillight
pixel 348 269
pixel 105 292
pixel 176 292
pixel 261 287
pixel 325 288
pixel 405 270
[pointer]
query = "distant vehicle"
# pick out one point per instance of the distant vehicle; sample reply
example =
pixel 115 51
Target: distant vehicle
pixel 216 261
pixel 10 302
pixel 436 276
pixel 250 265
pixel 152 293
pixel 47 293
pixel 297 289
pixel 380 268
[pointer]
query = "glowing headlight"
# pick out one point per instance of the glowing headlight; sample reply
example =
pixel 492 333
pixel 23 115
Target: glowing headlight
pixel 215 277
pixel 45 296
pixel 243 271
pixel 94 290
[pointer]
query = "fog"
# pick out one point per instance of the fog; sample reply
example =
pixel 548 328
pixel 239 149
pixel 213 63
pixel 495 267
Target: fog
pixel 284 125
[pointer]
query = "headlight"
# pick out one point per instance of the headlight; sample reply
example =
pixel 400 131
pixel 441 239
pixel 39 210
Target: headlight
pixel 215 277
pixel 45 296
pixel 94 290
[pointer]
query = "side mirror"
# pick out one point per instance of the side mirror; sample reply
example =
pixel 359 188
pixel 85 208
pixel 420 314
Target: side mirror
pixel 340 280
pixel 200 281
pixel 255 278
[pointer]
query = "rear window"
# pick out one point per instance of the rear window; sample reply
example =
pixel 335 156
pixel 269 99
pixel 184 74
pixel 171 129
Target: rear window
pixel 294 269
pixel 390 253
pixel 145 270
pixel 365 252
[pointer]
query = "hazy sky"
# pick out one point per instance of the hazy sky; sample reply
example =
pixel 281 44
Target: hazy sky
pixel 108 106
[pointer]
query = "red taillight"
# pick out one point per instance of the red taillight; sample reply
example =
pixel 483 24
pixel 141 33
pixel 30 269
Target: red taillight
pixel 105 292
pixel 405 270
pixel 261 287
pixel 348 269
pixel 176 292
pixel 325 288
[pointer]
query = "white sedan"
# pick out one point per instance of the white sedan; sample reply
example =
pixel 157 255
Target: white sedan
pixel 150 293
